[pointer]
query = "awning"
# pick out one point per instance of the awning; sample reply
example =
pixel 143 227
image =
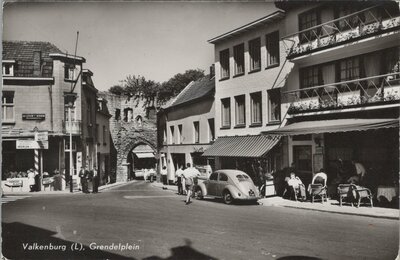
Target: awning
pixel 144 155
pixel 334 126
pixel 242 146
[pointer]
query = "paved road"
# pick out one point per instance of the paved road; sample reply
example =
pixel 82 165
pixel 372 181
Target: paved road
pixel 158 225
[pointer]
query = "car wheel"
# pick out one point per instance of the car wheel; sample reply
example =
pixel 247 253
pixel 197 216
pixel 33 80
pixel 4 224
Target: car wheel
pixel 199 194
pixel 228 199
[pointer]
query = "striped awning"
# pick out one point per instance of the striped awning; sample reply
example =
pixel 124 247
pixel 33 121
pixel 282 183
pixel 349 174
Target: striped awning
pixel 242 146
pixel 334 126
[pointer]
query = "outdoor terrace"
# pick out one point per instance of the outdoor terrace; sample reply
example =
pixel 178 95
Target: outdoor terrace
pixel 369 22
pixel 376 90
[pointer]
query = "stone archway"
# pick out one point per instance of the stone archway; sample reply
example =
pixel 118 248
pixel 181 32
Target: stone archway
pixel 125 149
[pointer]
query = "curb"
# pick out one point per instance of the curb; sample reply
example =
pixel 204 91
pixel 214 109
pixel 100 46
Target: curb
pixel 114 185
pixel 343 213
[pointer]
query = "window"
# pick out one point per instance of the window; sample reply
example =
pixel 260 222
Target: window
pixel 117 114
pixel 349 69
pixel 226 112
pixel 214 176
pixel 164 134
pixel 274 105
pixel 351 21
pixel 172 134
pixel 196 126
pixel 89 112
pixel 104 135
pixel 256 108
pixel 8 106
pixel 223 177
pixel 8 69
pixel 139 121
pixel 310 77
pixel 255 54
pixel 128 114
pixel 67 104
pixel 211 127
pixel 307 20
pixel 70 72
pixel 238 55
pixel 180 138
pixel 224 62
pixel 240 113
pixel 272 45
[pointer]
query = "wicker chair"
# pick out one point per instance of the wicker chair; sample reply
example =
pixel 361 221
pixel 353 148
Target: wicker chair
pixel 318 190
pixel 360 193
pixel 344 191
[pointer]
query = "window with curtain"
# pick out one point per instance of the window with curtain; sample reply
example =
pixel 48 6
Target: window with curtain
pixel 238 55
pixel 274 105
pixel 240 110
pixel 255 54
pixel 226 112
pixel 8 106
pixel 224 63
pixel 272 45
pixel 310 76
pixel 256 108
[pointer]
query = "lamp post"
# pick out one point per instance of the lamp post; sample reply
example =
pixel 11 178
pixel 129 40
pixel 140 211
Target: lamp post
pixel 70 100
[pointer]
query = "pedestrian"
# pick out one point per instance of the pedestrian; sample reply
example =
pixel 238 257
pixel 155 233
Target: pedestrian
pixel 83 175
pixel 37 181
pixel 31 179
pixel 95 181
pixel 178 176
pixel 164 176
pixel 188 176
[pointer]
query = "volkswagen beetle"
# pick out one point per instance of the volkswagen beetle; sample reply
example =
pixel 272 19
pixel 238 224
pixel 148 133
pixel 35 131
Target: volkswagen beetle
pixel 228 184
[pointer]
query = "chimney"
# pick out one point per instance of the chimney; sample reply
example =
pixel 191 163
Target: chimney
pixel 212 70
pixel 37 63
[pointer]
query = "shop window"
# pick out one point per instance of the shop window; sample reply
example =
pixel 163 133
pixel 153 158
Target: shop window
pixel 238 55
pixel 224 63
pixel 211 127
pixel 255 54
pixel 272 46
pixel 196 127
pixel 307 20
pixel 226 112
pixel 274 105
pixel 240 113
pixel 8 106
pixel 256 108
pixel 302 157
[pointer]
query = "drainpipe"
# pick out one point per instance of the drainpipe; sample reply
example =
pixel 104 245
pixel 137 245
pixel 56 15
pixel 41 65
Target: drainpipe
pixel 51 106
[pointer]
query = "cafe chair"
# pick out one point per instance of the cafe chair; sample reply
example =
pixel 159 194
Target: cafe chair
pixel 360 193
pixel 344 192
pixel 318 190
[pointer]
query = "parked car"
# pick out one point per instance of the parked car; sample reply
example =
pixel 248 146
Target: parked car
pixel 228 184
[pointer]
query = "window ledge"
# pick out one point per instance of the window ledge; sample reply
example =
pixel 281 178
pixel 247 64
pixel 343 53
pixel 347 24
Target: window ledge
pixel 225 78
pixel 272 66
pixel 254 70
pixel 225 127
pixel 256 125
pixel 274 123
pixel 238 75
pixel 240 126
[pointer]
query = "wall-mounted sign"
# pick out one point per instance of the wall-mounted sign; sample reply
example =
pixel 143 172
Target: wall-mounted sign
pixel 33 116
pixel 41 136
pixel 31 144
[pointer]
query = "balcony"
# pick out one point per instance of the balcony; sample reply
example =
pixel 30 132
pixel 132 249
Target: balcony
pixel 376 90
pixel 344 31
pixel 73 127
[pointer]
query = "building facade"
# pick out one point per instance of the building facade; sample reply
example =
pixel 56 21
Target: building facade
pixel 251 70
pixel 186 127
pixel 38 81
pixel 103 138
pixel 342 94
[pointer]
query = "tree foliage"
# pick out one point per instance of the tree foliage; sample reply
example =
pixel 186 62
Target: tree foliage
pixel 117 90
pixel 141 89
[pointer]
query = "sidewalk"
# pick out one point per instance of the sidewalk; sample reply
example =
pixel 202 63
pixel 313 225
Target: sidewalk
pixel 66 191
pixel 332 206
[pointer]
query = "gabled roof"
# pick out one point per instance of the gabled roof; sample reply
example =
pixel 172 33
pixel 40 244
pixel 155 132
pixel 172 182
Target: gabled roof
pixel 22 53
pixel 204 87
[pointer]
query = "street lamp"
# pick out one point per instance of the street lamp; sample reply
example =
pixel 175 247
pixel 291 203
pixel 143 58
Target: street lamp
pixel 70 101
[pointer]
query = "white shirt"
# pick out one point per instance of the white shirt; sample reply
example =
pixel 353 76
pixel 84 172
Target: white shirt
pixel 179 173
pixel 190 173
pixel 360 169
pixel 164 172
pixel 294 182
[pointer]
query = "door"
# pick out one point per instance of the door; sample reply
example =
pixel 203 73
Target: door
pixel 222 183
pixel 212 184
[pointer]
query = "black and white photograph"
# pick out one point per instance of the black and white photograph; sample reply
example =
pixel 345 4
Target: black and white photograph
pixel 200 130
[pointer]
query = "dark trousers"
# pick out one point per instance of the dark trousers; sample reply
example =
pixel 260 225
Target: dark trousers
pixel 164 179
pixel 96 184
pixel 179 183
pixel 84 185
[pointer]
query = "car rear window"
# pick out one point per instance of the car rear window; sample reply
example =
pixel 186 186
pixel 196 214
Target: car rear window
pixel 241 177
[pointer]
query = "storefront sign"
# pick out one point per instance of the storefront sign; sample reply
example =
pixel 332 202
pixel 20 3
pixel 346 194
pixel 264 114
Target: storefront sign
pixel 41 136
pixel 33 116
pixel 32 144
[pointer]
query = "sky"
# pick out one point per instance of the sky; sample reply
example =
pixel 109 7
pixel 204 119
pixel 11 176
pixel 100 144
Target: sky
pixel 153 39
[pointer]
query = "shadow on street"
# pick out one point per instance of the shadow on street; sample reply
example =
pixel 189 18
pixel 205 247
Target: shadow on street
pixel 17 235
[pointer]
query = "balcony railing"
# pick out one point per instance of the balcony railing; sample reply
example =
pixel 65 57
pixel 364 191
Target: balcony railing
pixel 345 29
pixel 73 127
pixel 374 90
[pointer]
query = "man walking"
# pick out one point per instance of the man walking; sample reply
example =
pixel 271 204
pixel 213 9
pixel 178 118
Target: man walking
pixel 95 181
pixel 164 176
pixel 178 176
pixel 189 174
pixel 82 175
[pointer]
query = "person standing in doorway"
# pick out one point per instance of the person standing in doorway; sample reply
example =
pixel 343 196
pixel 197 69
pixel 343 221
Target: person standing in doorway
pixel 164 176
pixel 178 176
